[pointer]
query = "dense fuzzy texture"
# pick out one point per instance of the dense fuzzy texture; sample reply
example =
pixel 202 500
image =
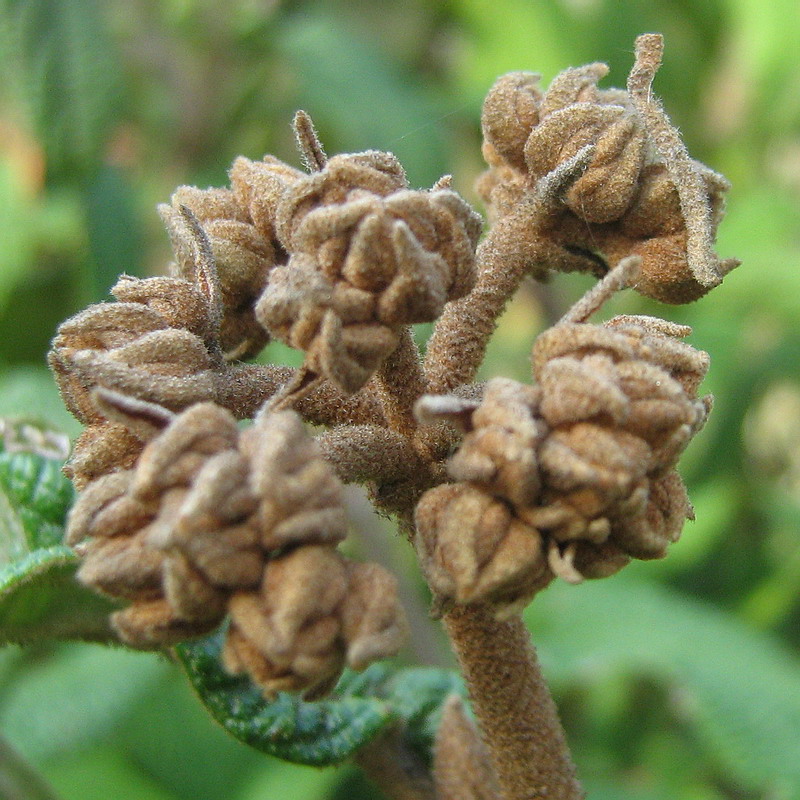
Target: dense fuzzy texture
pixel 368 256
pixel 637 192
pixel 205 524
pixel 159 340
pixel 187 517
pixel 573 476
pixel 242 240
pixel 314 613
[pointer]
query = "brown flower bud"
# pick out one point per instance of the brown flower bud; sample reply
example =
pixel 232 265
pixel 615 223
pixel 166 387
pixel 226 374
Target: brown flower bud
pixel 175 457
pixel 301 499
pixel 157 344
pixel 111 529
pixel 373 623
pixel 105 509
pixel 99 328
pixel 102 448
pixel 259 187
pixel 499 453
pixel 201 513
pixel 474 549
pixel 153 624
pixel 636 371
pixel 609 183
pixel 212 527
pixel 287 636
pixel 621 401
pixel 120 521
pixel 634 192
pixel 510 112
pixel 179 302
pixel 242 255
pixel 582 464
pixel 368 256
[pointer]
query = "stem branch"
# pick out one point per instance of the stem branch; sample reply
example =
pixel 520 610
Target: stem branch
pixel 516 712
pixel 399 383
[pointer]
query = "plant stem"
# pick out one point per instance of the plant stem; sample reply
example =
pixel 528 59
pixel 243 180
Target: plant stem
pixel 458 343
pixel 18 780
pixel 394 767
pixel 244 388
pixel 519 243
pixel 399 383
pixel 513 705
pixel 363 453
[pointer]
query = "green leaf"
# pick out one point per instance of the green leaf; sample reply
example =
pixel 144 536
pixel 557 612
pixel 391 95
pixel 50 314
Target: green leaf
pixel 40 599
pixel 70 697
pixel 416 695
pixel 105 772
pixel 526 36
pixel 39 596
pixel 38 496
pixel 115 241
pixel 323 732
pixel 290 782
pixel 64 65
pixel 16 233
pixel 739 688
pixel 34 493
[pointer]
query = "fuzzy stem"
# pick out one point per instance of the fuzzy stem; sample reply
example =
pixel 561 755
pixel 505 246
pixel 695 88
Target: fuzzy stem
pixel 510 251
pixel 458 343
pixel 517 244
pixel 399 772
pixel 516 712
pixel 617 279
pixel 244 388
pixel 399 383
pixel 363 453
pixel 686 174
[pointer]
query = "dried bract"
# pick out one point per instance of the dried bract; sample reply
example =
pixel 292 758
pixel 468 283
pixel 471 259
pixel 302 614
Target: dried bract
pixel 193 508
pixel 243 259
pixel 474 549
pixel 211 518
pixel 158 344
pixel 287 635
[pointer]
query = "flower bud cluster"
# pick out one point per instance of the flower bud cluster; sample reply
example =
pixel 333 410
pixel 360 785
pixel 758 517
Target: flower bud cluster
pixel 187 518
pixel 157 343
pixel 212 521
pixel 368 256
pixel 239 225
pixel 601 171
pixel 573 476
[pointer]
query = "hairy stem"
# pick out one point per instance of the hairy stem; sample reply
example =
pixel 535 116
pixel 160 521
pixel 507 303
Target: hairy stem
pixel 394 767
pixel 399 383
pixel 363 453
pixel 511 250
pixel 245 388
pixel 458 343
pixel 516 712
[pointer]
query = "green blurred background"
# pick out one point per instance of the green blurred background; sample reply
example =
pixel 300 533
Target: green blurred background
pixel 677 679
